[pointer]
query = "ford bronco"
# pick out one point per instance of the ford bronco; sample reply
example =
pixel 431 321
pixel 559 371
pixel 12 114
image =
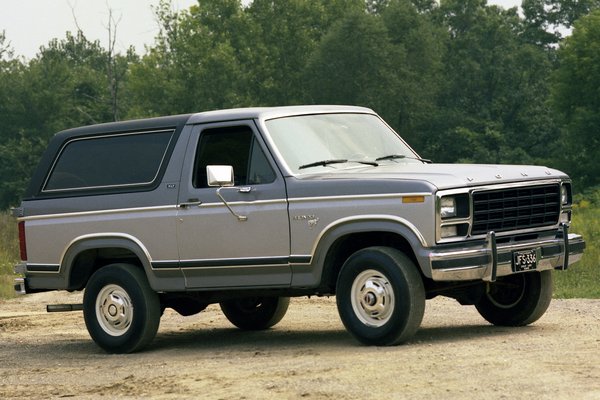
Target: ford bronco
pixel 249 207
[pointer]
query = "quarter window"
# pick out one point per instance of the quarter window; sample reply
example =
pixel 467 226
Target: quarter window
pixel 109 161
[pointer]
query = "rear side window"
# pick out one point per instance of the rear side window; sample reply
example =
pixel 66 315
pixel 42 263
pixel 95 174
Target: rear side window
pixel 109 161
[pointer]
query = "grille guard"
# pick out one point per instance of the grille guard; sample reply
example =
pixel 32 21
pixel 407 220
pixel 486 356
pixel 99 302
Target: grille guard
pixel 490 261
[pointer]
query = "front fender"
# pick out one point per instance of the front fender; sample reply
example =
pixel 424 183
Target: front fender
pixel 310 275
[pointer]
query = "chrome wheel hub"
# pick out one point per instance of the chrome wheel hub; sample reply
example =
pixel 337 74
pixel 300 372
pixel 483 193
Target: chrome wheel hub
pixel 114 310
pixel 372 298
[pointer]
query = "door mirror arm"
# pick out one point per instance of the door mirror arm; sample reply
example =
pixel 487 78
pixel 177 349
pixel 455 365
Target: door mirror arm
pixel 238 216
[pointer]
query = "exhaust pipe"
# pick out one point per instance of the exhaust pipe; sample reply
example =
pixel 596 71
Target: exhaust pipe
pixel 64 307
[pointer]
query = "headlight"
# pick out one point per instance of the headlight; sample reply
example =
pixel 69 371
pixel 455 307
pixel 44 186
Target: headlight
pixel 448 231
pixel 453 218
pixel 447 207
pixel 564 195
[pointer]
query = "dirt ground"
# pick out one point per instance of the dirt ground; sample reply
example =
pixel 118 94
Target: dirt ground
pixel 455 355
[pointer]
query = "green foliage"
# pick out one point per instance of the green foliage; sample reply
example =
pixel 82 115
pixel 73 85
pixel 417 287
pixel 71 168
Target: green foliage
pixel 546 20
pixel 67 84
pixel 581 279
pixel 491 102
pixel 576 98
pixel 356 63
pixel 5 49
pixel 18 158
pixel 195 65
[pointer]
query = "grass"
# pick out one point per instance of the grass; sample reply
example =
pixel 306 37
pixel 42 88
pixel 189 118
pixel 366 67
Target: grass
pixel 582 280
pixel 9 253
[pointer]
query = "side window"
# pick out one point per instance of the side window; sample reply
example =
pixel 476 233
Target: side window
pixel 235 146
pixel 259 170
pixel 108 162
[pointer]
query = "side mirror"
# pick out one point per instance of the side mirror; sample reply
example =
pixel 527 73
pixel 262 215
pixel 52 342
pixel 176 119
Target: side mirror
pixel 219 175
pixel 222 176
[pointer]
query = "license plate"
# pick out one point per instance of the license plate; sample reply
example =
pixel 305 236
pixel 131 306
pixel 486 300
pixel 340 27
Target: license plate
pixel 524 260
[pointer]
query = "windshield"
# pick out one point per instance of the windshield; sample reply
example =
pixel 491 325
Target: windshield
pixel 311 143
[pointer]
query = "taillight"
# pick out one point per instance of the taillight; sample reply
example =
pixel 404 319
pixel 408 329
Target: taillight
pixel 22 244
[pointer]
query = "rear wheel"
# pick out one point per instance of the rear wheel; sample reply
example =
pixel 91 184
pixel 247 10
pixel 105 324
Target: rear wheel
pixel 255 313
pixel 380 296
pixel 121 311
pixel 517 300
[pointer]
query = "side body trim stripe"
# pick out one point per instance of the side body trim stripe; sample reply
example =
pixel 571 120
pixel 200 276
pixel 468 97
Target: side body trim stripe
pixel 231 262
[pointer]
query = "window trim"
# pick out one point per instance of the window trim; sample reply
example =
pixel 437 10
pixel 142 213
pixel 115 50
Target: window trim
pixel 254 141
pixel 118 187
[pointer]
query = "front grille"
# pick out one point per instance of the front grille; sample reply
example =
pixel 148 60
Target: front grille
pixel 515 208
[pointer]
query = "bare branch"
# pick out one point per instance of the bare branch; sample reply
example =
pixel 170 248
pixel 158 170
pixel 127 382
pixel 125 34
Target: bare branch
pixel 72 7
pixel 114 79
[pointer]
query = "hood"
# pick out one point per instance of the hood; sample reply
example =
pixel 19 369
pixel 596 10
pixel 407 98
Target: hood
pixel 442 176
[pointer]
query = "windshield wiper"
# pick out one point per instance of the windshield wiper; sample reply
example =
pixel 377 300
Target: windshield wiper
pixel 324 163
pixel 397 156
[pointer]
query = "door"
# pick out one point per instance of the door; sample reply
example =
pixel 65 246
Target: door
pixel 216 248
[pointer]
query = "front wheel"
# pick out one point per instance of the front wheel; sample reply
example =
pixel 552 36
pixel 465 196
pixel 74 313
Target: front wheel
pixel 380 296
pixel 121 311
pixel 517 300
pixel 255 313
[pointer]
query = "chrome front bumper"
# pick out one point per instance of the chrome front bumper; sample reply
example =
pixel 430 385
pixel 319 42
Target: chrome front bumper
pixel 491 260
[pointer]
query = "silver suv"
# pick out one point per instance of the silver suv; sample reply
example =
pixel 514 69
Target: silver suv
pixel 249 207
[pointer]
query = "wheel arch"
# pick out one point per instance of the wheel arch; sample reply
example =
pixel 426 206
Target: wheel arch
pixel 342 239
pixel 87 254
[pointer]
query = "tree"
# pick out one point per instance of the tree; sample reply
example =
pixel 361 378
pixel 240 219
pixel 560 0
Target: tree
pixel 576 99
pixel 6 51
pixel 64 86
pixel 539 25
pixel 356 63
pixel 196 63
pixel 546 21
pixel 67 85
pixel 230 55
pixel 18 157
pixel 286 33
pixel 493 89
pixel 413 31
pixel 11 108
pixel 388 59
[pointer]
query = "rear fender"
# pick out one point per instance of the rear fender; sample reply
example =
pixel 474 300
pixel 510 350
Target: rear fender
pixel 79 261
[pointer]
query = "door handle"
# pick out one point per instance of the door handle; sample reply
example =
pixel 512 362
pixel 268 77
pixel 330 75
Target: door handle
pixel 190 203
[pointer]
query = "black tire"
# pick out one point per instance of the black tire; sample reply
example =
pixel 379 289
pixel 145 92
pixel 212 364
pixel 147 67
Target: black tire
pixel 380 296
pixel 255 313
pixel 121 311
pixel 517 300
